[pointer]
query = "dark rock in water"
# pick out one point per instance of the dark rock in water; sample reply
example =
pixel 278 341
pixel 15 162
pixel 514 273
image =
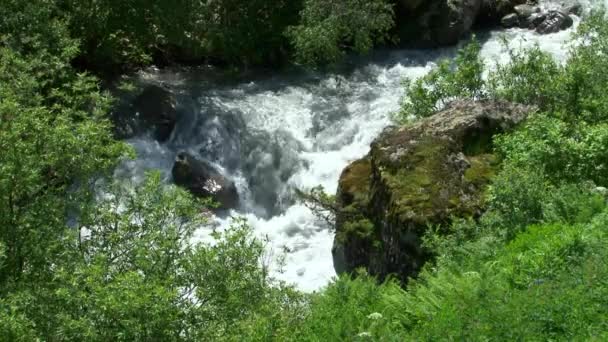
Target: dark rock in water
pixel 510 20
pixel 415 176
pixel 555 22
pixel 204 180
pixel 156 108
pixel 266 160
pixel 576 9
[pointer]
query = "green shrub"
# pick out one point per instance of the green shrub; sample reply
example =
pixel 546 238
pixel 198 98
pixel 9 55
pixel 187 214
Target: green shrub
pixel 448 81
pixel 352 310
pixel 530 77
pixel 328 29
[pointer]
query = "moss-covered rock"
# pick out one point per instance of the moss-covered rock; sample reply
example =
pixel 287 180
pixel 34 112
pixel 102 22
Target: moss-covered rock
pixel 415 176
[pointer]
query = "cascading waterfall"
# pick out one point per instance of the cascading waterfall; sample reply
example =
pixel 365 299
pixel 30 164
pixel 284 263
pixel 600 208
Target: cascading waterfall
pixel 275 133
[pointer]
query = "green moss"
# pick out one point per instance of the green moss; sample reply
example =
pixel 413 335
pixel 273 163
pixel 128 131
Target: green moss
pixel 362 228
pixel 355 192
pixel 426 188
pixel 355 181
pixel 416 184
pixel 483 168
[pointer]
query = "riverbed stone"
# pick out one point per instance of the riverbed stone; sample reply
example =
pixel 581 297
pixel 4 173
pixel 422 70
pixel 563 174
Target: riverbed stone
pixel 534 20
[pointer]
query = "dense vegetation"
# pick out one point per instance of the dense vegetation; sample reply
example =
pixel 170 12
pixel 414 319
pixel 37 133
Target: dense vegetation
pixel 78 265
pixel 118 35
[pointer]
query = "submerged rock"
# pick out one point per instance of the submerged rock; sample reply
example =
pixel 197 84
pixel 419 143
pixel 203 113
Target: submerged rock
pixel 415 176
pixel 268 161
pixel 204 180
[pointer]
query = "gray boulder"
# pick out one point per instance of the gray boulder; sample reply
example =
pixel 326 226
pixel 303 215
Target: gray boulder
pixel 205 181
pixel 492 11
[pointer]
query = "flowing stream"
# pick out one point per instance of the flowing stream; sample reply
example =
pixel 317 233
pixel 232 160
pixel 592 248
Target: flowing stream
pixel 274 132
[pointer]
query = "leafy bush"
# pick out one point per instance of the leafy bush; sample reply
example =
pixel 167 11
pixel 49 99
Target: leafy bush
pixel 354 309
pixel 530 77
pixel 329 28
pixel 572 91
pixel 53 135
pixel 447 82
pixel 129 272
pixel 534 288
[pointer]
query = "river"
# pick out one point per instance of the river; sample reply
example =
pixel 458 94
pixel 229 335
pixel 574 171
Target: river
pixel 273 132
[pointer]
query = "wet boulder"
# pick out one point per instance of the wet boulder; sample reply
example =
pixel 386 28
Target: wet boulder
pixel 156 110
pixel 415 176
pixel 203 180
pixel 555 22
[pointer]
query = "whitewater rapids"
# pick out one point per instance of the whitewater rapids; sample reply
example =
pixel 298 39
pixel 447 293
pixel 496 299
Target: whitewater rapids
pixel 273 133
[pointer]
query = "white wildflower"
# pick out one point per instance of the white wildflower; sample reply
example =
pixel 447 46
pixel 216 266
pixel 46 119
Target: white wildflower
pixel 364 334
pixel 375 316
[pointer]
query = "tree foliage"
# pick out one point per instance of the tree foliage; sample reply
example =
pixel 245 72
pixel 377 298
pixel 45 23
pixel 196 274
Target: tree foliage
pixel 113 35
pixel 83 258
pixel 330 28
pixel 448 81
